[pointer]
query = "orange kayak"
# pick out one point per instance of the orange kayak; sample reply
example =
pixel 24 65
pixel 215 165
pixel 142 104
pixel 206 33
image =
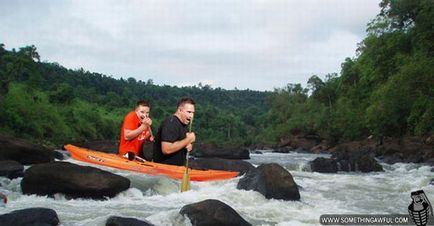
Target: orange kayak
pixel 152 168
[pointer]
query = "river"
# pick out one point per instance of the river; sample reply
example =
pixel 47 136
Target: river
pixel 157 199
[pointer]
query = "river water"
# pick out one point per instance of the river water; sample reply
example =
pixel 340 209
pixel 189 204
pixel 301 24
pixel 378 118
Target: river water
pixel 157 199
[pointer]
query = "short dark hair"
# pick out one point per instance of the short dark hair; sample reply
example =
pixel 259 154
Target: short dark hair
pixel 185 100
pixel 142 103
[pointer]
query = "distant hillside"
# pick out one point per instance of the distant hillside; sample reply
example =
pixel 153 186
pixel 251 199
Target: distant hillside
pixel 87 106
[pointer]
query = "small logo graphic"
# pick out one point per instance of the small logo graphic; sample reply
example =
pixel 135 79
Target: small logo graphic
pixel 94 158
pixel 420 208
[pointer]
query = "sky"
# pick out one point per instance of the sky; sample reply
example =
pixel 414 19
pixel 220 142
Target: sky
pixel 245 44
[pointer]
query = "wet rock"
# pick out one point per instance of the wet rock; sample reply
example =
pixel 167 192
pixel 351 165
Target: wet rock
pixel 212 212
pixel 31 216
pixel 300 141
pixel 430 162
pixel 60 155
pixel 324 165
pixel 126 221
pixel 271 180
pixel 23 151
pixel 72 180
pixel 406 149
pixel 261 147
pixel 220 151
pixel 221 164
pixel 432 182
pixel 355 156
pixel 11 169
pixel 283 150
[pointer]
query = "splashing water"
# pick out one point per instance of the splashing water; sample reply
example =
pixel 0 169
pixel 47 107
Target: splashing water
pixel 157 198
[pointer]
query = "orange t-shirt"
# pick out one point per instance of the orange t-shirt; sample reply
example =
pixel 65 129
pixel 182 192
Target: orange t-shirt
pixel 132 122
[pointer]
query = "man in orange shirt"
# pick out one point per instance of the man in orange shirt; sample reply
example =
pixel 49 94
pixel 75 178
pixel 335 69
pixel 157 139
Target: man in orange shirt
pixel 136 128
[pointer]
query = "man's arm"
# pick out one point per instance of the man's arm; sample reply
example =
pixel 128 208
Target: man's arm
pixel 131 134
pixel 169 148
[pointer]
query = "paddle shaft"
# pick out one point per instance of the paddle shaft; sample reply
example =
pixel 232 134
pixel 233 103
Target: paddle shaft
pixel 185 183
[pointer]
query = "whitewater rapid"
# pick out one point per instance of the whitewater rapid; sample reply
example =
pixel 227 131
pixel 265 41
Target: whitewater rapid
pixel 157 199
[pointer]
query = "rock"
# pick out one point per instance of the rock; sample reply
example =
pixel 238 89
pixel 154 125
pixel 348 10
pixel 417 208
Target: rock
pixel 284 150
pixel 320 148
pixel 126 221
pixel 271 180
pixel 11 169
pixel 300 141
pixel 260 147
pixel 430 162
pixel 72 180
pixel 24 152
pixel 108 146
pixel 406 149
pixel 60 155
pixel 432 182
pixel 212 212
pixel 221 164
pixel 355 156
pixel 324 165
pixel 220 151
pixel 366 163
pixel 31 216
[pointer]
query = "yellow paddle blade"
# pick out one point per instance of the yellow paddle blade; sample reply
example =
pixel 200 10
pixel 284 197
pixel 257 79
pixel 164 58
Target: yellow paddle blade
pixel 185 183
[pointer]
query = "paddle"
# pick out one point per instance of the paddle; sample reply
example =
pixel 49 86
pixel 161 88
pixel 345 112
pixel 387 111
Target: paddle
pixel 185 183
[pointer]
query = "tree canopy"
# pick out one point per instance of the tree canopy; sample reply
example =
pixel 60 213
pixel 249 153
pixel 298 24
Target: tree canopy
pixel 387 90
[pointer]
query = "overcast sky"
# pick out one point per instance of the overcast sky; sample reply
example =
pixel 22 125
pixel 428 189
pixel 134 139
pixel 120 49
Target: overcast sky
pixel 259 45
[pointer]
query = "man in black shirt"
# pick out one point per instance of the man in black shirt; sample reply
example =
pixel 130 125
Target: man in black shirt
pixel 173 139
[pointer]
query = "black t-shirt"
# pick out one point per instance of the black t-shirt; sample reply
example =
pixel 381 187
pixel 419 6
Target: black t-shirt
pixel 171 130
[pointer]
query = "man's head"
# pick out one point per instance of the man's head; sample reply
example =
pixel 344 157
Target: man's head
pixel 185 109
pixel 142 109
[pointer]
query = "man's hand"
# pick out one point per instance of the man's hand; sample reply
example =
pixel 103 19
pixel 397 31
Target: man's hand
pixel 189 147
pixel 146 121
pixel 191 137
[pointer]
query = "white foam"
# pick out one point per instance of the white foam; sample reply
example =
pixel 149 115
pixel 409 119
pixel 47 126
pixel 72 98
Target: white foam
pixel 157 199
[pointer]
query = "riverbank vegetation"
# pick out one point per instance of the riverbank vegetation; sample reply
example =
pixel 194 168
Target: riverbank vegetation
pixel 386 90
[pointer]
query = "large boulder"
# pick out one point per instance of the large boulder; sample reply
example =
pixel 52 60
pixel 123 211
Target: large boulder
pixel 212 212
pixel 324 165
pixel 11 169
pixel 72 180
pixel 221 164
pixel 22 151
pixel 220 151
pixel 126 221
pixel 300 142
pixel 271 180
pixel 356 156
pixel 406 149
pixel 31 216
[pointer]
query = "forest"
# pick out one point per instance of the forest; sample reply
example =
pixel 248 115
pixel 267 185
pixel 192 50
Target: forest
pixel 386 90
